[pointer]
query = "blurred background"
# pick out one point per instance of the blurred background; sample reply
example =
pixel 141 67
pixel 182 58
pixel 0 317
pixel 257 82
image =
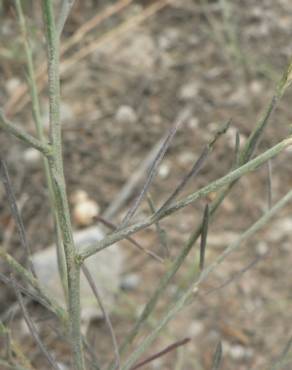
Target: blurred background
pixel 129 70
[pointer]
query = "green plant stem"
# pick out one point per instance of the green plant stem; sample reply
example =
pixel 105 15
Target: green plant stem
pixel 243 157
pixel 28 139
pixel 7 365
pixel 193 289
pixel 210 188
pixel 59 187
pixel 36 110
pixel 33 282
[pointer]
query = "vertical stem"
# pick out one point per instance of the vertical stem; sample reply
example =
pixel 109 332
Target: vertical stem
pixel 36 111
pixel 59 187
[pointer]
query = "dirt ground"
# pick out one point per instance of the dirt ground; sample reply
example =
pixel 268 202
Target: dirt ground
pixel 220 58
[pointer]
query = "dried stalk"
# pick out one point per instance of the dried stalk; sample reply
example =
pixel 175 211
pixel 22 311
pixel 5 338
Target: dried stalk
pixel 210 188
pixel 191 292
pixel 33 330
pixel 36 110
pixel 59 187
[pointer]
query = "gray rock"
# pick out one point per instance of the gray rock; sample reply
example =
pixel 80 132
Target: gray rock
pixel 130 281
pixel 105 268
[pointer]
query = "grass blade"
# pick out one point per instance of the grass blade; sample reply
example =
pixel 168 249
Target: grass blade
pixel 15 213
pixel 196 167
pixel 217 357
pixel 104 312
pixel 162 353
pixel 205 225
pixel 153 169
pixel 32 328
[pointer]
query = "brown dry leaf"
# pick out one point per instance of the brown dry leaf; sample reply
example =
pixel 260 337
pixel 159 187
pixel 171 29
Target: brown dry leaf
pixel 235 334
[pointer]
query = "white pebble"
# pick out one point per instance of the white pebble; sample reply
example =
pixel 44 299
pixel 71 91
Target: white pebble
pixel 84 208
pixel 125 114
pixel 32 158
pixel 188 91
pixel 164 170
pixel 262 248
pixel 12 84
pixel 195 328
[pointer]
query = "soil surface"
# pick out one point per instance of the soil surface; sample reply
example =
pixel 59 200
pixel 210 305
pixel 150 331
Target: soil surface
pixel 220 60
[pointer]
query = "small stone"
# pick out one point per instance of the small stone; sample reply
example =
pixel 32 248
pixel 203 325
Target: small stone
pixel 188 91
pixel 256 87
pixel 66 113
pixel 164 170
pixel 230 136
pixel 193 123
pixel 238 352
pixel 168 39
pixel 84 209
pixel 262 248
pixel 282 228
pixel 130 282
pixel 32 158
pixel 105 268
pixel 138 51
pixel 125 114
pixel 186 158
pixel 12 84
pixel 195 328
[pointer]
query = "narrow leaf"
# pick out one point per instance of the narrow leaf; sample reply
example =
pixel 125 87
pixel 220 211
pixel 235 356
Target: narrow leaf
pixel 153 169
pixel 32 328
pixel 112 226
pixel 204 233
pixel 217 357
pixel 270 185
pixel 162 353
pixel 237 149
pixel 160 231
pixel 15 212
pixel 94 289
pixel 196 167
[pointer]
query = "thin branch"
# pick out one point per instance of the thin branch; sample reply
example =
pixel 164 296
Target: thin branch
pixel 33 329
pixel 283 357
pixel 112 226
pixel 104 312
pixel 30 279
pixel 7 365
pixel 64 13
pixel 31 73
pixel 217 357
pixel 36 110
pixel 235 276
pixel 237 149
pixel 59 187
pixel 214 186
pixel 270 185
pixel 160 231
pixel 196 167
pixel 246 235
pixel 205 225
pixel 15 213
pixel 34 296
pixel 153 169
pixel 165 351
pixel 149 307
pixel 127 190
pixel 186 297
pixel 14 130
